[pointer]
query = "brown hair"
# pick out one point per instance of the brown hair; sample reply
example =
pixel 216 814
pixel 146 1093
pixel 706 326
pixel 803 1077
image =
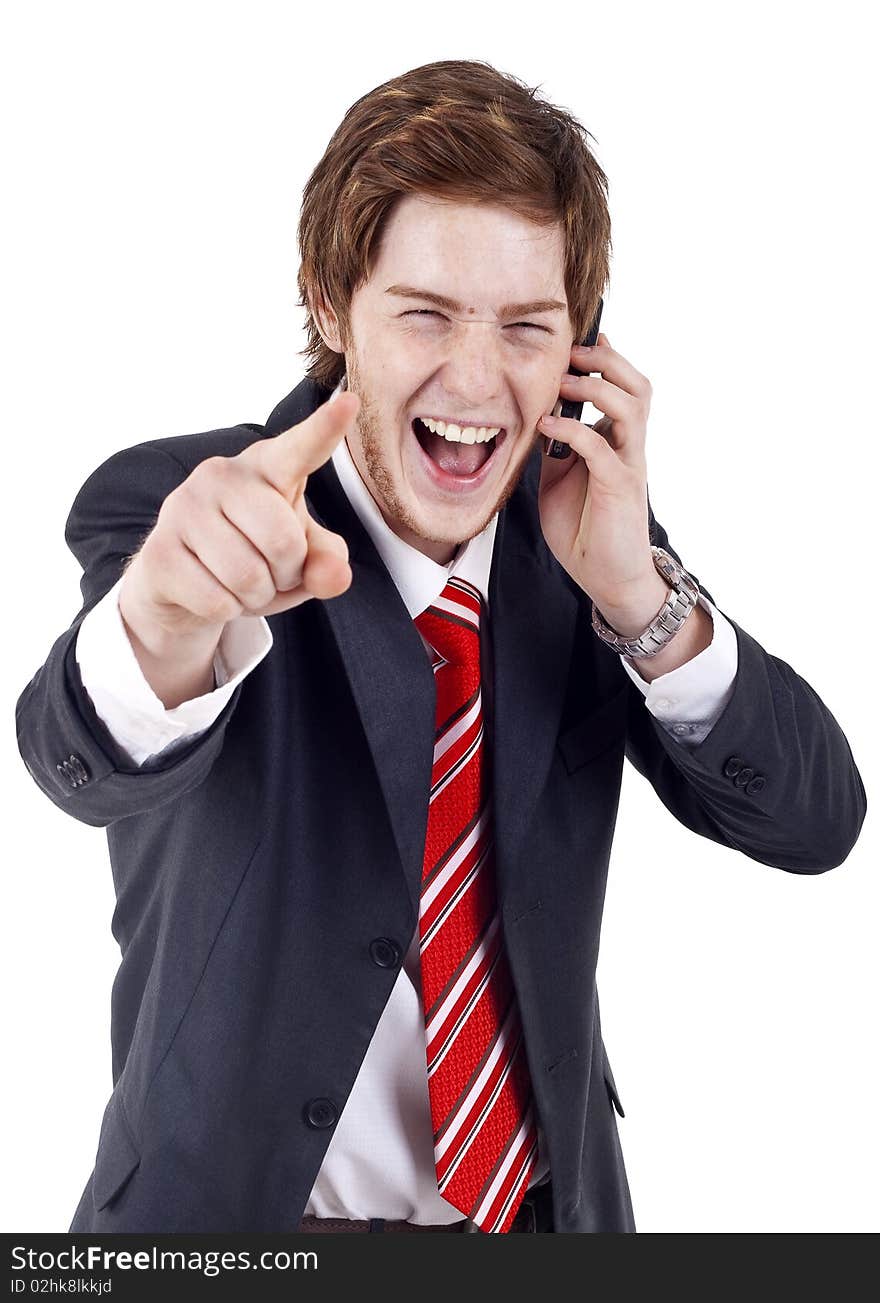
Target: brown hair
pixel 459 130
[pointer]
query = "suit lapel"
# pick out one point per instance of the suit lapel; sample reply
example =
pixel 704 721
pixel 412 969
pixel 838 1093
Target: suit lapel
pixel 533 617
pixel 390 676
pixel 389 673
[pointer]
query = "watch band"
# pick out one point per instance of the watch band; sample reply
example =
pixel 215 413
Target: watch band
pixel 681 600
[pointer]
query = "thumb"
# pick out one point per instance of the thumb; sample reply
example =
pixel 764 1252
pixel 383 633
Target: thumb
pixel 326 572
pixel 553 469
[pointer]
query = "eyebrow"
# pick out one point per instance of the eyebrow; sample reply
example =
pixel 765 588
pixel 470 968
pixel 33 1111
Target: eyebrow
pixel 507 309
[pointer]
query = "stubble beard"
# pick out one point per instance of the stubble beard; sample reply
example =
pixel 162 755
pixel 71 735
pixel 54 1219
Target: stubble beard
pixel 382 481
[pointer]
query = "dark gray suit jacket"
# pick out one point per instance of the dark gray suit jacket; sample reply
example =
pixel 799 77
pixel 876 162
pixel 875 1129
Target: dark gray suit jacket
pixel 257 865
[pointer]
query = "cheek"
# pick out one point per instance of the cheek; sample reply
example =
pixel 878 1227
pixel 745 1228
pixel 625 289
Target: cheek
pixel 403 379
pixel 535 383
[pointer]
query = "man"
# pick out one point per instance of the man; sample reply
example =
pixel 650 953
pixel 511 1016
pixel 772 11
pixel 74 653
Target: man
pixel 351 694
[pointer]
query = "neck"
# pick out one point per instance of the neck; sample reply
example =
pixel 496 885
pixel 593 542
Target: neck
pixel 442 553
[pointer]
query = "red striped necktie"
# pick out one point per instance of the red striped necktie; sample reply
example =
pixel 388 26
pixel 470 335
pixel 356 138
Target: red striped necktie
pixel 482 1110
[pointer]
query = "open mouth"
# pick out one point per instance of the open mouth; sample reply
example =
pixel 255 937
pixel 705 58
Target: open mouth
pixel 463 463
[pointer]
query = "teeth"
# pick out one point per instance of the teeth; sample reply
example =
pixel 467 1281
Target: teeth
pixel 461 434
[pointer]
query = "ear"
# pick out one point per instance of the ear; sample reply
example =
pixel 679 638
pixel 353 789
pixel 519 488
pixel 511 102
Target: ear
pixel 327 325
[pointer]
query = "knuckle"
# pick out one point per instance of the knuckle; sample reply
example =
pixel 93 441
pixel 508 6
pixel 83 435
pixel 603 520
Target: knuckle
pixel 217 606
pixel 210 472
pixel 253 580
pixel 638 404
pixel 225 608
pixel 171 506
pixel 275 547
pixel 194 489
pixel 285 543
pixel 159 548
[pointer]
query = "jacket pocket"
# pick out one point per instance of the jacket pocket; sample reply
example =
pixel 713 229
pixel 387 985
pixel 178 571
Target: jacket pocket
pixel 117 1156
pixel 612 1089
pixel 595 733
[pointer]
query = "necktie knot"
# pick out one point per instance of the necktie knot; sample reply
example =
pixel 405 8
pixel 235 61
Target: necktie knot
pixel 451 624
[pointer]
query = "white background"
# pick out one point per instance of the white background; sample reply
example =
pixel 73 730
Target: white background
pixel 154 158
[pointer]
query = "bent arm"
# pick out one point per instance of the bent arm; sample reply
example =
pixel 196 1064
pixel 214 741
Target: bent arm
pixel 65 745
pixel 773 778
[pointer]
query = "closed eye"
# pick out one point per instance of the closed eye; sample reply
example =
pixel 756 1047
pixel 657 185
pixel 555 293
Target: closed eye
pixel 431 312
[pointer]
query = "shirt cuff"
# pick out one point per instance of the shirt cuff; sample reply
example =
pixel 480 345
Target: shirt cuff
pixel 689 700
pixel 124 700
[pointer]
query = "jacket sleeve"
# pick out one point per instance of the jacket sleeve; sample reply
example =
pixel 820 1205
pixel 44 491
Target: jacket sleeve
pixel 138 720
pixel 774 777
pixel 67 749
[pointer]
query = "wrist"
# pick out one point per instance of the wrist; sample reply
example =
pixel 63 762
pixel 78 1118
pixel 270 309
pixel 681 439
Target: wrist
pixel 178 667
pixel 631 613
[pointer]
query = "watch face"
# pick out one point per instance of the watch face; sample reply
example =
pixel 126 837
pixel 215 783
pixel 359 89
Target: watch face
pixel 667 565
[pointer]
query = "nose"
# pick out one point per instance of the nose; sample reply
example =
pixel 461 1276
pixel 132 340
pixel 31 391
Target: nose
pixel 472 373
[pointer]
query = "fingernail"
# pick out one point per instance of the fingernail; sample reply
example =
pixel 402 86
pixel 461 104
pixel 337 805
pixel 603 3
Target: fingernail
pixel 548 422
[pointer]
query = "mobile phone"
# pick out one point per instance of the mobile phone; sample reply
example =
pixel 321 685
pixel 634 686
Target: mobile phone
pixel 564 406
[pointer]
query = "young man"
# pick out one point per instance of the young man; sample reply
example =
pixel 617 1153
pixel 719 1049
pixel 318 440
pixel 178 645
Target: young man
pixel 351 693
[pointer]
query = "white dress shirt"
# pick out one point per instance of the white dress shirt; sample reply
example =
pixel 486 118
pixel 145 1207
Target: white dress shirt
pixel 380 1160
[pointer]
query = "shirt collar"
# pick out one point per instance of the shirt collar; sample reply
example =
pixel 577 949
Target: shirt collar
pixel 418 579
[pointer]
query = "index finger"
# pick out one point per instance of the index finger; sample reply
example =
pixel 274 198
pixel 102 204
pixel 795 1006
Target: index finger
pixel 287 459
pixel 612 366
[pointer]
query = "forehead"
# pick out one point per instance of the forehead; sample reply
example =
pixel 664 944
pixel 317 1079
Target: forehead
pixel 478 254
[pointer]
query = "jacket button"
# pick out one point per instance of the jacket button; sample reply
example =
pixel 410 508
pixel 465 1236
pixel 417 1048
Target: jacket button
pixel 756 784
pixel 74 771
pixel 320 1113
pixel 743 776
pixel 733 766
pixel 384 952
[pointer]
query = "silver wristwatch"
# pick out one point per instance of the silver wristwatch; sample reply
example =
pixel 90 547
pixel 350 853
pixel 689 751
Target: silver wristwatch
pixel 682 599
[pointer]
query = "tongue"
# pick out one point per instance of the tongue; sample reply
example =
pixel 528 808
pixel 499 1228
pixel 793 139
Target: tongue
pixel 457 458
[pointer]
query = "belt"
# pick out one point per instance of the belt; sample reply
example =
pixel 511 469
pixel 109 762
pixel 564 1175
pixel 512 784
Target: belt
pixel 534 1215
